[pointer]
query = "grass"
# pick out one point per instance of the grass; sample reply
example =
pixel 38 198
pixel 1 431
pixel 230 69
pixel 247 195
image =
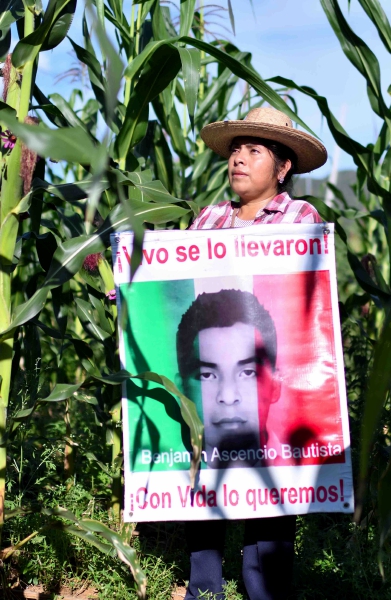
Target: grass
pixel 334 558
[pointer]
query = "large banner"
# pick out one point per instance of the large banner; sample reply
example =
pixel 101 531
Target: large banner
pixel 245 322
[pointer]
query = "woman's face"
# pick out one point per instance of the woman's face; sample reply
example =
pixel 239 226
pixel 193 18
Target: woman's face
pixel 251 170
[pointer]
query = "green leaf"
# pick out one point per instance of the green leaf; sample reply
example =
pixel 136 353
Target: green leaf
pixel 124 552
pixel 7 112
pixel 163 158
pixel 161 68
pixel 24 414
pixel 26 311
pixel 365 281
pixel 214 88
pixel 327 213
pixel 22 206
pixel 378 388
pixel 92 458
pixel 71 192
pixel 100 11
pixel 67 260
pixel 191 67
pixel 61 391
pixel 5 43
pixel 154 190
pixel 359 54
pixel 168 96
pixel 67 112
pixel 161 23
pixel 188 409
pixel 51 111
pixel 28 48
pixel 200 164
pixel 113 379
pixel 72 222
pixel 231 16
pixel 378 17
pixel 62 24
pixel 146 6
pixel 120 23
pixel 114 68
pixel 69 256
pixel 70 144
pixel 173 127
pixel 87 318
pixel 35 6
pixel 219 176
pixel 94 68
pixel 156 213
pixel 360 154
pixel 11 11
pixel 249 75
pixel 384 504
pixel 105 97
pixel 98 170
pixel 212 196
pixel 135 66
pixel 189 415
pixel 99 306
pixel 187 8
pixel 236 67
pixel 88 537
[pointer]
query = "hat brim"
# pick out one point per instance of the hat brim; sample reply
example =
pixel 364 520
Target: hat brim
pixel 310 152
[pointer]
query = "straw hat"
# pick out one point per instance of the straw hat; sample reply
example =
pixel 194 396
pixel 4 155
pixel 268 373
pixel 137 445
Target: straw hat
pixel 273 125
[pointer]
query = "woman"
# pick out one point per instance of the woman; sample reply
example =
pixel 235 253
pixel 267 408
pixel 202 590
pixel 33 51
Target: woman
pixel 263 152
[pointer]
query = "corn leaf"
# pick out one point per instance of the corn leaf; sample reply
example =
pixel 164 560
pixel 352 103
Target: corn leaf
pixel 249 75
pixel 360 154
pixel 187 407
pixel 187 15
pixel 161 69
pixel 28 48
pixel 88 320
pixel 70 144
pixel 189 415
pixel 231 16
pixel 156 213
pixel 378 17
pixel 384 504
pixel 359 54
pixel 67 260
pixel 61 391
pixel 124 552
pixel 378 388
pixel 11 11
pixel 191 66
pixel 61 26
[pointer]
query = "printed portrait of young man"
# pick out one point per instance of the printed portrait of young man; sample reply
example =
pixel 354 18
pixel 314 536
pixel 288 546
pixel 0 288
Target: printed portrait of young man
pixel 255 354
pixel 226 350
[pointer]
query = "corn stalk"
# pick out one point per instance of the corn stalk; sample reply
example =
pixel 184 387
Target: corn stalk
pixel 10 198
pixel 127 172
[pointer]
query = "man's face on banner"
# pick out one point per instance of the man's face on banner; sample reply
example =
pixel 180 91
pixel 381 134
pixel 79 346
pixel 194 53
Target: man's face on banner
pixel 237 386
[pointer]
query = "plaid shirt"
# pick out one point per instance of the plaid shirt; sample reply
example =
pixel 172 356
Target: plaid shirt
pixel 282 209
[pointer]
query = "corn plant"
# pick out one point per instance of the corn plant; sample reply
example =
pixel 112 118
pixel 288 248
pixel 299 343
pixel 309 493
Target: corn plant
pixel 56 284
pixel 374 222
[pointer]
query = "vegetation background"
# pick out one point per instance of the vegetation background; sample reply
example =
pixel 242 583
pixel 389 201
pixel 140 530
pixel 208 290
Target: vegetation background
pixel 123 151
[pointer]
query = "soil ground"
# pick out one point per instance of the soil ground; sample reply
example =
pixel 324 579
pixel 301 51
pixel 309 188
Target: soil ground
pixel 36 592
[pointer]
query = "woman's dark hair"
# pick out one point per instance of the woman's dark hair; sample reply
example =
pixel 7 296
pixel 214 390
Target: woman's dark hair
pixel 280 154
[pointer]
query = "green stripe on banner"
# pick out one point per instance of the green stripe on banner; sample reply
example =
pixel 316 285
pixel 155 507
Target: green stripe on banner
pixel 155 309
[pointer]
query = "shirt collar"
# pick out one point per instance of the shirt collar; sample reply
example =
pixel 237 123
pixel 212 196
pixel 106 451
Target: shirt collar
pixel 277 204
